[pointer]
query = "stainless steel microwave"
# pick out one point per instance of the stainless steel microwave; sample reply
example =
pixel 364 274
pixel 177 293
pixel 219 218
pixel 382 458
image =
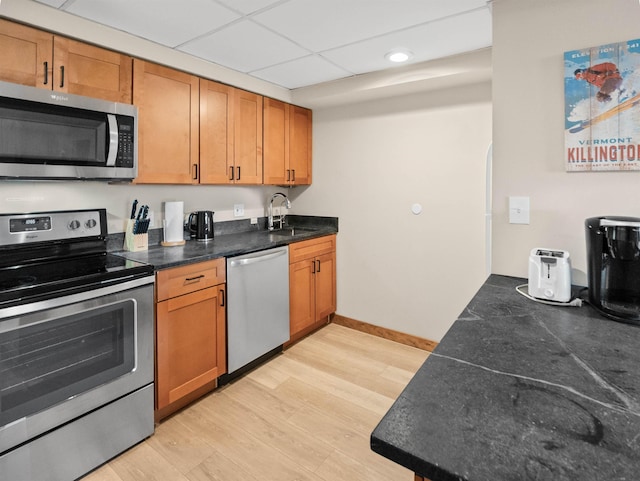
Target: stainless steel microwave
pixel 54 135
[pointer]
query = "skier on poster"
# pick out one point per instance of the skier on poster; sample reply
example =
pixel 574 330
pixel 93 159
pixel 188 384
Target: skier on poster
pixel 605 76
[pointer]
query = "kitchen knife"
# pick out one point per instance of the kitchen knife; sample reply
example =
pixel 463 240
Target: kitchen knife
pixel 133 209
pixel 136 224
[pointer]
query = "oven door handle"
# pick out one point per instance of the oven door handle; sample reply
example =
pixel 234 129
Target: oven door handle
pixel 64 300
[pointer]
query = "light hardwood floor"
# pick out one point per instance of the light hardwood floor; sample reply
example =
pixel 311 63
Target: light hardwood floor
pixel 305 415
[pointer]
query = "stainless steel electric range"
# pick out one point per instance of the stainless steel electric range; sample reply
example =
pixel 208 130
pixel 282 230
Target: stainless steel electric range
pixel 76 346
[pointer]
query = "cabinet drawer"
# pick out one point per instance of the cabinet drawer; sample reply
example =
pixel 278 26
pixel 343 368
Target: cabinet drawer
pixel 310 248
pixel 193 277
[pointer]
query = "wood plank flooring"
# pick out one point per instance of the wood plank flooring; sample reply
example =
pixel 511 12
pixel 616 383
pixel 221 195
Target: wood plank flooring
pixel 306 415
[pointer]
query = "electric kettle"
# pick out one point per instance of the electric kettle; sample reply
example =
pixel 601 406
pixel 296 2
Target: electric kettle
pixel 200 225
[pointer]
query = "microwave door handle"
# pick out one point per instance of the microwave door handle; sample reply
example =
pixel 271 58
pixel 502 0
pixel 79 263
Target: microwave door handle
pixel 113 140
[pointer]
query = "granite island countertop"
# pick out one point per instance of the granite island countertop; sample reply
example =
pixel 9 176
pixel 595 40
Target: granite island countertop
pixel 518 390
pixel 227 243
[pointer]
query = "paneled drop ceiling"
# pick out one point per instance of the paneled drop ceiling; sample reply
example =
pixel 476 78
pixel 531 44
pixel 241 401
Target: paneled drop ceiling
pixel 297 43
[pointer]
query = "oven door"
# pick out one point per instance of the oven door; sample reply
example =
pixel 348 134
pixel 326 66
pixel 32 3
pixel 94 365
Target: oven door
pixel 64 357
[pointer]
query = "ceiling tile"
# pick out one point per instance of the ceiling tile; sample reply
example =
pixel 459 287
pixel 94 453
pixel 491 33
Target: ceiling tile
pixel 166 22
pixel 295 43
pixel 247 7
pixel 302 72
pixel 52 3
pixel 244 46
pixel 450 36
pixel 323 24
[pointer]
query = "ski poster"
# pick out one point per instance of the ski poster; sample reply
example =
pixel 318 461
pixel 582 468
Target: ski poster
pixel 602 108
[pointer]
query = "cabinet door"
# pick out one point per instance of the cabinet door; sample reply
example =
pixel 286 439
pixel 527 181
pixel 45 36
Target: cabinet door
pixel 26 55
pixel 300 124
pixel 84 69
pixel 247 138
pixel 301 295
pixel 168 104
pixel 216 132
pixel 276 142
pixel 325 285
pixel 190 343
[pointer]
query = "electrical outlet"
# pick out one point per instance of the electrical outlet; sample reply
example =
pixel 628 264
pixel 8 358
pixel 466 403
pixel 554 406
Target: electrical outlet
pixel 238 210
pixel 276 210
pixel 254 220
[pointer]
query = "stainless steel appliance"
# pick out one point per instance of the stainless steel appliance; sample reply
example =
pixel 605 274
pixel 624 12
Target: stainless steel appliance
pixel 76 346
pixel 257 307
pixel 200 225
pixel 52 135
pixel 613 266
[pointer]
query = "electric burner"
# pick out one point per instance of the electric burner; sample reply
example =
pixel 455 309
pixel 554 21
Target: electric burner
pixel 44 255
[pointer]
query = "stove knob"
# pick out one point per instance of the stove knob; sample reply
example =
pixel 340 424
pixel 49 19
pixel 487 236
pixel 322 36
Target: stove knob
pixel 74 224
pixel 90 224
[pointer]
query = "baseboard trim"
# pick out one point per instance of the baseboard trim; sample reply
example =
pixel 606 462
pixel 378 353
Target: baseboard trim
pixel 402 338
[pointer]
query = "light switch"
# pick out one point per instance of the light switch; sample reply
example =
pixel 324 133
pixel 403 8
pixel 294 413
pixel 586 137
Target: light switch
pixel 518 210
pixel 238 210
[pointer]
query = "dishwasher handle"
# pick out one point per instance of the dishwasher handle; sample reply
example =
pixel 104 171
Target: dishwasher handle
pixel 253 259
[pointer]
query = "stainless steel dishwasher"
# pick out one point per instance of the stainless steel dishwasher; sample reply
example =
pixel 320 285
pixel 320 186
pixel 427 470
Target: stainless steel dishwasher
pixel 257 308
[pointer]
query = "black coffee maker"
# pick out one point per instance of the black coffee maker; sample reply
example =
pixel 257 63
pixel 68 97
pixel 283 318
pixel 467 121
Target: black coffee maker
pixel 613 266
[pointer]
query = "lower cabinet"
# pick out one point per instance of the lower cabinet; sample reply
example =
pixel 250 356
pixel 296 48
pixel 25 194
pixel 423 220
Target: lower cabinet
pixel 312 281
pixel 190 333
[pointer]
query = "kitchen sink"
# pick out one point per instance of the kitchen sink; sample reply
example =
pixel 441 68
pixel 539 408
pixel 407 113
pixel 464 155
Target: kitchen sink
pixel 289 231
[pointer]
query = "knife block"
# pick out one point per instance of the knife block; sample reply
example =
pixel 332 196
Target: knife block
pixel 134 242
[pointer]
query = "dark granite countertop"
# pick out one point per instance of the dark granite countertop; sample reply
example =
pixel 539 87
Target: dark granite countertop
pixel 228 241
pixel 519 390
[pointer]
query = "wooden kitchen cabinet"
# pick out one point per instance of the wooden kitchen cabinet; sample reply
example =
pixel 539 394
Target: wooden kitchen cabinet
pixel 40 59
pixel 312 281
pixel 168 124
pixel 287 143
pixel 230 135
pixel 190 333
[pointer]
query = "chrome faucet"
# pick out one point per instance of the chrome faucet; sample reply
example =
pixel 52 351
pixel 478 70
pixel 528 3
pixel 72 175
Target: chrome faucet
pixel 280 218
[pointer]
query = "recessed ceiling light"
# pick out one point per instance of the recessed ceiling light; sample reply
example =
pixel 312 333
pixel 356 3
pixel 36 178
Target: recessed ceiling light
pixel 398 55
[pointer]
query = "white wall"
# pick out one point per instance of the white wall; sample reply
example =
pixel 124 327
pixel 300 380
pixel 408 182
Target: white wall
pixel 530 38
pixel 17 197
pixel 372 161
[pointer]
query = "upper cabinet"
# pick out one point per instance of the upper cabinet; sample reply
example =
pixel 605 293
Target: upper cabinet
pixel 82 69
pixel 26 55
pixel 230 135
pixel 40 59
pixel 248 138
pixel 191 130
pixel 167 101
pixel 287 143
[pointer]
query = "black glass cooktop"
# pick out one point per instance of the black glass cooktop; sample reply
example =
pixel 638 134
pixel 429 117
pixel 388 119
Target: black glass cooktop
pixel 48 278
